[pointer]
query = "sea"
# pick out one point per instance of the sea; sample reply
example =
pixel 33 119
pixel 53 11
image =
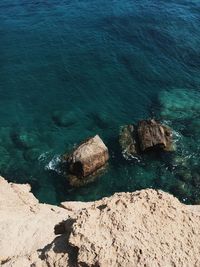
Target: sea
pixel 71 69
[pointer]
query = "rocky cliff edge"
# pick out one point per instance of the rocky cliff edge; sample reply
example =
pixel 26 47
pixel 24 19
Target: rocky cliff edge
pixel 144 228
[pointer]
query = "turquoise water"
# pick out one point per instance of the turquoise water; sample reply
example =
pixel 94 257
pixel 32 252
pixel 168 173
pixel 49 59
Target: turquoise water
pixel 72 69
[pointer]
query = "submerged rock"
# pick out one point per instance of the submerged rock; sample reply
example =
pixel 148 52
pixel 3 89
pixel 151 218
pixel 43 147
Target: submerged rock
pixel 184 175
pixel 81 181
pixel 24 140
pixel 127 141
pixel 153 134
pixel 179 104
pixel 86 159
pixel 181 189
pixel 64 119
pixel 196 179
pixel 101 120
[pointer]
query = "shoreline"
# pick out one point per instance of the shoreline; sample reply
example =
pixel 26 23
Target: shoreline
pixel 127 229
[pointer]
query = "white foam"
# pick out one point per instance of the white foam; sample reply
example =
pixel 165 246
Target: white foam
pixel 43 156
pixel 128 156
pixel 176 136
pixel 53 164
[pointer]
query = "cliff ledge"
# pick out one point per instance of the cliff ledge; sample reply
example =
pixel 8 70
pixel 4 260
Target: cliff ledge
pixel 144 228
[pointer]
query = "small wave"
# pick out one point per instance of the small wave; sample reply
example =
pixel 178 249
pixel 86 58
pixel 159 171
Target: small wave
pixel 129 156
pixel 167 122
pixel 43 156
pixel 176 136
pixel 53 164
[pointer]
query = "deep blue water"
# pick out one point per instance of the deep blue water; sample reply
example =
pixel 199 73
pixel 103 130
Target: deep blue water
pixel 72 69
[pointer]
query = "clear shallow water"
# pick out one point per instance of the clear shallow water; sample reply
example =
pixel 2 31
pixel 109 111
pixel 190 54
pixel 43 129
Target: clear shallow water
pixel 71 69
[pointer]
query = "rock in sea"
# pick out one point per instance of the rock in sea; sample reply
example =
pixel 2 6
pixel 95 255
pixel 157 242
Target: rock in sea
pixel 85 160
pixel 147 135
pixel 127 141
pixel 153 134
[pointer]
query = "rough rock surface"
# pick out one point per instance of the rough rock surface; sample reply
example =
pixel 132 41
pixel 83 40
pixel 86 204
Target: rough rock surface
pixel 146 135
pixel 144 228
pixel 127 141
pixel 153 134
pixel 26 229
pixel 86 159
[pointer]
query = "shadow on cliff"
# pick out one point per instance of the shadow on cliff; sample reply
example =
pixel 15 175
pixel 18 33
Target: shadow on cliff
pixel 60 246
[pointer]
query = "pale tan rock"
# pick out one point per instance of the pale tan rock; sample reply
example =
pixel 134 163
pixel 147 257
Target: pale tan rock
pixel 14 195
pixel 194 208
pixel 26 227
pixel 145 228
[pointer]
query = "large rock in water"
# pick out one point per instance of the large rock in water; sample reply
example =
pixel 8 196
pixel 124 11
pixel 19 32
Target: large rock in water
pixel 86 159
pixel 152 135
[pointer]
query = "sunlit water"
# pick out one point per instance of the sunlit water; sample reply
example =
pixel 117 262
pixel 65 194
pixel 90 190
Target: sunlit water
pixel 72 69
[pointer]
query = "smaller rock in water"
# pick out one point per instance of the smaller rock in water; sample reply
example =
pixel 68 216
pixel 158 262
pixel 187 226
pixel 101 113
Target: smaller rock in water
pixel 147 135
pixel 152 134
pixel 127 141
pixel 85 160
